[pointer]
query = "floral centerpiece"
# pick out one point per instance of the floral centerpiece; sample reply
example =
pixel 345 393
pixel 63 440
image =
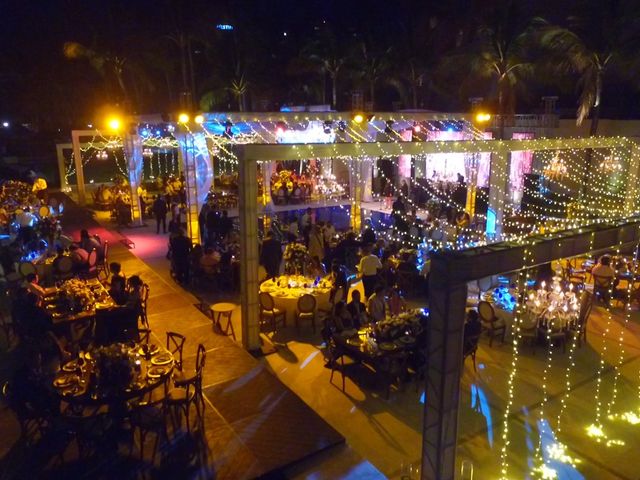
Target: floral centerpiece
pixel 284 180
pixel 114 366
pixel 77 294
pixel 407 323
pixel 295 257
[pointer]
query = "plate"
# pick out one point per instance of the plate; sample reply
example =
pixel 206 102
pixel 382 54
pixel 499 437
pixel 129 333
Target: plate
pixel 65 381
pixel 72 391
pixel 162 359
pixel 407 340
pixel 387 346
pixel 71 366
pixel 152 349
pixel 156 372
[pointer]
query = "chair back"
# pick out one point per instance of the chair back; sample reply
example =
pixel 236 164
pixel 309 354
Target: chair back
pixel 470 345
pixel 105 252
pixel 25 268
pixel 144 335
pixel 64 265
pixel 175 344
pixel 93 258
pixel 201 356
pixel 266 302
pixel 338 296
pixel 307 303
pixel 82 330
pixel 586 304
pixel 486 312
pixel 601 282
pixel 145 295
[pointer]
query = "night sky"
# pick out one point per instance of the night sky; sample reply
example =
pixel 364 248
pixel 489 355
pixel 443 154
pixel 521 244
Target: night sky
pixel 40 86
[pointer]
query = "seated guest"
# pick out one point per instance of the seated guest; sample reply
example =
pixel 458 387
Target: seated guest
pixel 315 268
pixel 33 286
pixel 339 280
pixel 357 309
pixel 134 292
pixel 209 261
pixel 338 322
pixel 117 284
pixel 89 242
pixel 376 305
pixel 35 323
pixel 396 303
pixel 194 259
pixel 79 257
pixel 603 268
pixel 472 330
pixel 56 261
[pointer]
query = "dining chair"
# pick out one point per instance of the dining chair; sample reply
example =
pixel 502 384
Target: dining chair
pixel 175 344
pixel 150 417
pixel 579 328
pixel 64 268
pixel 143 305
pixel 602 288
pixel 490 322
pixel 269 314
pixel 188 392
pixel 529 330
pixel 336 354
pixel 306 310
pixel 82 332
pixel 25 268
pixel 102 266
pixel 554 332
pixel 334 299
pixel 91 270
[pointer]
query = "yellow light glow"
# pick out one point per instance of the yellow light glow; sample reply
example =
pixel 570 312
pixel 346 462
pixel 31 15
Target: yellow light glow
pixel 183 118
pixel 483 117
pixel 114 123
pixel 199 119
pixel 358 118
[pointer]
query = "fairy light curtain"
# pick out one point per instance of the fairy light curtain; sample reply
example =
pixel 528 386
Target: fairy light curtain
pixel 521 162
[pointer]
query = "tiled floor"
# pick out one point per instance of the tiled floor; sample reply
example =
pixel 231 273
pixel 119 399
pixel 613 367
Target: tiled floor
pixel 387 433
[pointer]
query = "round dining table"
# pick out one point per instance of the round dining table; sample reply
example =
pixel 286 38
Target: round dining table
pixel 286 290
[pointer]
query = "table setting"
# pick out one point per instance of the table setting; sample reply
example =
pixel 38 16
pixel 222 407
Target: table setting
pixel 287 289
pixel 113 373
pixel 74 299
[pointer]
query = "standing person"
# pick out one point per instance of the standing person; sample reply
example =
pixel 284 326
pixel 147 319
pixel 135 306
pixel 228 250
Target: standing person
pixel 180 250
pixel 226 224
pixel 316 243
pixel 160 212
pixel 293 230
pixel 305 225
pixel 271 255
pixel 404 189
pixel 213 219
pixel 369 266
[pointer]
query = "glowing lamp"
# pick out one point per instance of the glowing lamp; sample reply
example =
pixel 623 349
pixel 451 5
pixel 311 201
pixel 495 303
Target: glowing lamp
pixel 483 117
pixel 199 119
pixel 183 118
pixel 279 131
pixel 417 128
pixel 358 118
pixel 114 123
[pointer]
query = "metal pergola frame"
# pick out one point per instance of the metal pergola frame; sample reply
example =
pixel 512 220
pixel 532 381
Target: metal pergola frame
pixel 450 271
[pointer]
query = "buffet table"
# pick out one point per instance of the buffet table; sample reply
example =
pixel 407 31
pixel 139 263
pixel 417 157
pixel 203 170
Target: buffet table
pixel 287 289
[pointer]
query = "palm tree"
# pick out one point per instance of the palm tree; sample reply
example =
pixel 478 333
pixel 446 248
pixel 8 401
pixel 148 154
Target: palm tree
pixel 592 46
pixel 330 58
pixel 371 67
pixel 110 66
pixel 238 89
pixel 498 54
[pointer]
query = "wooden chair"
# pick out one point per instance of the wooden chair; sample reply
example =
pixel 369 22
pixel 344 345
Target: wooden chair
pixel 554 333
pixel 82 332
pixel 25 268
pixel 602 288
pixel 490 322
pixel 337 297
pixel 529 331
pixel 102 266
pixel 91 270
pixel 175 344
pixel 306 309
pixel 579 329
pixel 64 268
pixel 148 417
pixel 269 314
pixel 143 305
pixel 188 392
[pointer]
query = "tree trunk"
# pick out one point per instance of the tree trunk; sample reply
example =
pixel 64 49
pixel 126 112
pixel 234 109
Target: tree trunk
pixel 372 94
pixel 334 91
pixel 414 94
pixel 191 73
pixel 183 64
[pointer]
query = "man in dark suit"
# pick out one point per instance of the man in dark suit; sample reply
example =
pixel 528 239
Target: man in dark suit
pixel 271 255
pixel 180 250
pixel 160 212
